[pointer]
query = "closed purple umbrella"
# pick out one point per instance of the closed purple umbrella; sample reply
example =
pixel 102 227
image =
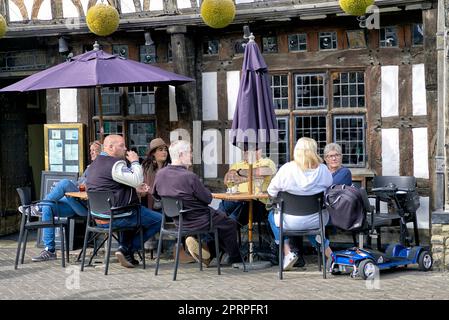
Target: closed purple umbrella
pixel 97 68
pixel 254 117
pixel 254 113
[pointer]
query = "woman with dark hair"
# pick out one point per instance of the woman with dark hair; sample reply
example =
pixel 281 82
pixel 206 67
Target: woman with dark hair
pixel 157 157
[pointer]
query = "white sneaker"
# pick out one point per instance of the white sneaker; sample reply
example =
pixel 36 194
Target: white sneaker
pixel 289 261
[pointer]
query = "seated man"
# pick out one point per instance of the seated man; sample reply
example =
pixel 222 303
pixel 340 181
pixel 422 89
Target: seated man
pixel 263 170
pixel 110 172
pixel 68 207
pixel 175 180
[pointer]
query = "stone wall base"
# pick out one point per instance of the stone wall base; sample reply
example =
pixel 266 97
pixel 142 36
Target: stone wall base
pixel 440 240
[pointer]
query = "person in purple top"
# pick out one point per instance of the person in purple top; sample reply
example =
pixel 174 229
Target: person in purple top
pixel 333 157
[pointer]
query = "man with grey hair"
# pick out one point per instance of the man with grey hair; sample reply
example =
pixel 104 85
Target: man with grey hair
pixel 175 180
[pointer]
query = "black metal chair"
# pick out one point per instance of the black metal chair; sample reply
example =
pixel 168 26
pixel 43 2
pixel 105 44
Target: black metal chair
pixel 29 222
pixel 100 208
pixel 399 192
pixel 297 205
pixel 173 208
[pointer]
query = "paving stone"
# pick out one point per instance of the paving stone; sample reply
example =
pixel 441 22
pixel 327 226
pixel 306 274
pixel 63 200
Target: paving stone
pixel 48 280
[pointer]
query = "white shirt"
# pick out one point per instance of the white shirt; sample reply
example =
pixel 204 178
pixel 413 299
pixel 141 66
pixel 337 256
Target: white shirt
pixel 295 181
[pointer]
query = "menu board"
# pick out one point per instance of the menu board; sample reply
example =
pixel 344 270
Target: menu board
pixel 64 147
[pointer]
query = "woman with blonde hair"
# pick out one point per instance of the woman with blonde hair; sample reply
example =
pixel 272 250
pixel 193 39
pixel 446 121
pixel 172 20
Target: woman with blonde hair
pixel 306 175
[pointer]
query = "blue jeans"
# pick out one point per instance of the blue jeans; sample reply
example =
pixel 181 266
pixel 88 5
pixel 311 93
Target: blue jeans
pixel 68 207
pixel 231 208
pixel 150 220
pixel 276 232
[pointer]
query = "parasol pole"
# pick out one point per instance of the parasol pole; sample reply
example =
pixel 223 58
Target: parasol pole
pixel 250 209
pixel 100 111
pixel 100 102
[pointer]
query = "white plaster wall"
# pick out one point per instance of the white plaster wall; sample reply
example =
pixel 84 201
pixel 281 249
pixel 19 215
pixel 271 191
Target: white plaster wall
pixel 420 153
pixel 128 6
pixel 209 94
pixel 173 109
pixel 419 90
pixel 14 12
pixel 211 152
pixel 45 11
pixel 233 154
pixel 390 91
pixel 232 87
pixel 184 4
pixel 68 106
pixel 156 5
pixel 390 152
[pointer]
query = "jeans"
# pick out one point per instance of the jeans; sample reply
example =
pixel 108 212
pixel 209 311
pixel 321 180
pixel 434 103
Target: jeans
pixel 130 241
pixel 231 208
pixel 276 232
pixel 68 207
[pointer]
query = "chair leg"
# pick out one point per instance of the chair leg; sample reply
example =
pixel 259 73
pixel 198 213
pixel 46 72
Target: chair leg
pixel 200 252
pixel 281 256
pixel 415 230
pixel 354 239
pixel 158 255
pixel 319 248
pixel 86 237
pixel 108 253
pixel 67 242
pixel 142 247
pixel 62 230
pixel 25 240
pixel 178 245
pixel 217 250
pixel 19 241
pixel 379 240
pixel 323 256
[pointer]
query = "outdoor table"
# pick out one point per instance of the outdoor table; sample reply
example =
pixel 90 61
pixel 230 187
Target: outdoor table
pixel 79 194
pixel 244 197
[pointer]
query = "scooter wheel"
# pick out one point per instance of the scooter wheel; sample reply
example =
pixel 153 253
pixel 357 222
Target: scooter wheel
pixel 368 269
pixel 425 261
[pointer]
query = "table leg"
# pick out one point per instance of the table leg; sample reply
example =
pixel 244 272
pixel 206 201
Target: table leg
pixel 250 230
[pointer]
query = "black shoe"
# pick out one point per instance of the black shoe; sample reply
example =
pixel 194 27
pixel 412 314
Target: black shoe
pixel 133 260
pixel 300 262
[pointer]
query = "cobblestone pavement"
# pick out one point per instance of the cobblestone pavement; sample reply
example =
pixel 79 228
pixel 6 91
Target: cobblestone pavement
pixel 49 280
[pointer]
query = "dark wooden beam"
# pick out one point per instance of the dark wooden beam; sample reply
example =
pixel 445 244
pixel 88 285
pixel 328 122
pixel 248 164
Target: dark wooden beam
pixel 190 17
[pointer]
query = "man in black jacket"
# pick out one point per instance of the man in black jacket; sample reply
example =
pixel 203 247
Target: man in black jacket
pixel 110 172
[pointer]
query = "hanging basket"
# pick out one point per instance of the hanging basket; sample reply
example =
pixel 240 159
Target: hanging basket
pixel 102 19
pixel 355 7
pixel 217 13
pixel 3 26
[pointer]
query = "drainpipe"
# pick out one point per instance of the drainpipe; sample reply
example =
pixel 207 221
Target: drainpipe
pixel 440 167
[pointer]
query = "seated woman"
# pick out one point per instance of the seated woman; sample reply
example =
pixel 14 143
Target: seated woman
pixel 306 175
pixel 332 156
pixel 157 158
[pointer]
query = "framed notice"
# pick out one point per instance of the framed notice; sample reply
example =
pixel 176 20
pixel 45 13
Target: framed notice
pixel 64 147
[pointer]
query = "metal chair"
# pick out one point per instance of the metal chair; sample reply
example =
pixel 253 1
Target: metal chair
pixel 399 192
pixel 173 208
pixel 100 208
pixel 297 205
pixel 29 222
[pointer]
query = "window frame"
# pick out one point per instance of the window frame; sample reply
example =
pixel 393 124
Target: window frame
pixel 329 111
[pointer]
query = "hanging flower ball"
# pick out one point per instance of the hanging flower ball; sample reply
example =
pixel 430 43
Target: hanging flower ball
pixel 102 19
pixel 217 13
pixel 3 26
pixel 355 7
